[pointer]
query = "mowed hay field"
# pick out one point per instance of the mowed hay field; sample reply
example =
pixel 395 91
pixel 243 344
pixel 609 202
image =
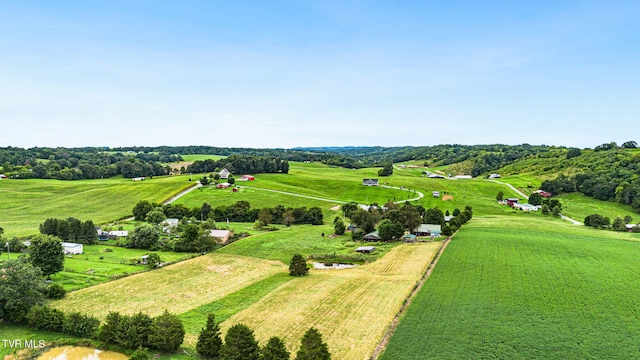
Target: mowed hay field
pixel 508 288
pixel 351 308
pixel 177 288
pixel 27 203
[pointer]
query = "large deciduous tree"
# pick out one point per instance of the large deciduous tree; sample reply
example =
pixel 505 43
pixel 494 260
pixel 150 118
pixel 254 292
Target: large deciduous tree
pixel 143 237
pixel 22 286
pixel 47 253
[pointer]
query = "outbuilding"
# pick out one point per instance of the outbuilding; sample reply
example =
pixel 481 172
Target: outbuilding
pixel 72 248
pixel 366 249
pixel 372 236
pixel 370 182
pixel 223 235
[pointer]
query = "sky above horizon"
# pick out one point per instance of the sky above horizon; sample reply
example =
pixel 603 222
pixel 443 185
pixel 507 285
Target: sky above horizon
pixel 318 73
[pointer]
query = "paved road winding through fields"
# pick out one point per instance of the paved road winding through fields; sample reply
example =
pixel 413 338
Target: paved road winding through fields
pixel 563 217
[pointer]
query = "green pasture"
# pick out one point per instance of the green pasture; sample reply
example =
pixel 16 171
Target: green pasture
pixel 579 206
pixel 201 157
pixel 300 239
pixel 89 269
pixel 27 203
pixel 511 288
pixel 256 197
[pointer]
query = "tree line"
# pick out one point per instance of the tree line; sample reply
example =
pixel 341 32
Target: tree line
pixel 240 211
pixel 241 164
pixel 70 229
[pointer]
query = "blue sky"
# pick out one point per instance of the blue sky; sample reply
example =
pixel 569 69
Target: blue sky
pixel 318 73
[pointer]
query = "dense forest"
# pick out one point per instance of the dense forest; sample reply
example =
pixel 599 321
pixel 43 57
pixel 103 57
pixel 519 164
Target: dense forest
pixel 611 174
pixel 241 164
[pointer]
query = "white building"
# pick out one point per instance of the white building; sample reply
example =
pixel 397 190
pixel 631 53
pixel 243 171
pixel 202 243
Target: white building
pixel 119 233
pixel 72 248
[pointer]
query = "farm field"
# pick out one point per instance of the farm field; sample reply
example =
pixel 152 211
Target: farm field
pixel 351 308
pixel 281 245
pixel 201 157
pixel 178 288
pixel 510 288
pixel 346 185
pixel 27 203
pixel 88 269
pixel 256 197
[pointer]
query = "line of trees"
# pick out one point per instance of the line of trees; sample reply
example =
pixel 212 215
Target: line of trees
pixel 240 211
pixel 602 222
pixel 70 229
pixel 240 344
pixel 241 164
pixel 81 163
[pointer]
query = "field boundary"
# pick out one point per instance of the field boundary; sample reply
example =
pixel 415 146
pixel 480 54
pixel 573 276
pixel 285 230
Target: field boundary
pixel 382 345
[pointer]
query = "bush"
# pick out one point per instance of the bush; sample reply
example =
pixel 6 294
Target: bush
pixel 80 325
pixel 110 331
pixel 139 354
pixel 45 318
pixel 56 291
pixel 357 235
pixel 167 332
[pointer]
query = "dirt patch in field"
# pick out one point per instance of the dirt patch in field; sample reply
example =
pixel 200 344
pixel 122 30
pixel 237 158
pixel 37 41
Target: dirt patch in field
pixel 224 269
pixel 447 197
pixel 335 208
pixel 177 166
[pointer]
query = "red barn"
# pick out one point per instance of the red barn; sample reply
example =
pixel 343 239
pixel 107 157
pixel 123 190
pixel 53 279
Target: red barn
pixel 512 201
pixel 248 177
pixel 544 194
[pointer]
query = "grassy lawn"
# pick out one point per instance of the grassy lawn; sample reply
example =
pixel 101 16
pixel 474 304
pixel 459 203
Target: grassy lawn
pixel 579 206
pixel 281 245
pixel 27 203
pixel 256 197
pixel 506 288
pixel 89 269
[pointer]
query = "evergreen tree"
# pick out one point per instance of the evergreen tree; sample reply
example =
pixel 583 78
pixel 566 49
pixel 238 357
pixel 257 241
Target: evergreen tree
pixel 108 332
pixel 240 344
pixel 166 332
pixel 209 341
pixel 298 266
pixel 500 196
pixel 339 227
pixel 312 347
pixel 274 350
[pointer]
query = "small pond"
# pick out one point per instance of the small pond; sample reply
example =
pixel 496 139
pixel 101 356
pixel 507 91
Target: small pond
pixel 80 353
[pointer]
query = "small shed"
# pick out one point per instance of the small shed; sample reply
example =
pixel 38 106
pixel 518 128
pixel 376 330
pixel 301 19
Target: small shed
pixel 223 235
pixel 544 194
pixel 372 236
pixel 72 248
pixel 370 182
pixel 171 222
pixel 235 189
pixel 463 177
pixel 144 259
pixel 448 218
pixel 248 177
pixel 366 249
pixel 351 227
pixel 494 176
pixel 103 236
pixel 436 176
pixel 512 201
pixel 224 185
pixel 409 238
pixel 436 194
pixel 138 179
pixel 427 230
